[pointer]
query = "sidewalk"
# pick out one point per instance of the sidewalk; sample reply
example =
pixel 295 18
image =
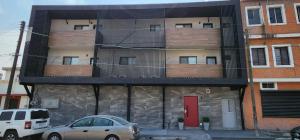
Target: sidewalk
pixel 160 134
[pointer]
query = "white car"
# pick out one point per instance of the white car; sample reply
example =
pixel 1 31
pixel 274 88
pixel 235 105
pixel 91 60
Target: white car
pixel 19 123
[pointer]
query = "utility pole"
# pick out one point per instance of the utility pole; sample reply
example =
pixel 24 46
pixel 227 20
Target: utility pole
pixel 13 69
pixel 251 84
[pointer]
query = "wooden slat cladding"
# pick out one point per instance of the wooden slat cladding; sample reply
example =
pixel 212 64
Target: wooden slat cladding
pixel 190 37
pixel 72 39
pixel 68 70
pixel 280 104
pixel 194 70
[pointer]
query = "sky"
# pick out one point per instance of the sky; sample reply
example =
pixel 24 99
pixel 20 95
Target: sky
pixel 12 12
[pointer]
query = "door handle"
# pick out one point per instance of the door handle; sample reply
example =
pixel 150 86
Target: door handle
pixel 106 130
pixel 85 131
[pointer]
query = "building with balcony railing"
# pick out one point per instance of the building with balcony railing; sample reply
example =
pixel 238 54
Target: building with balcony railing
pixel 149 64
pixel 18 97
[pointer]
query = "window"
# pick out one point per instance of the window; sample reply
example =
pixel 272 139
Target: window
pixel 268 86
pixel 282 55
pixel 120 120
pixel 81 27
pixel 276 14
pixel 188 59
pixel 39 114
pixel 253 16
pixel 102 122
pixel 211 60
pixel 92 60
pixel 83 122
pixel 70 60
pixel 99 26
pixel 6 116
pixel 208 25
pixel 14 102
pixel 20 115
pixel 154 28
pixel 185 25
pixel 297 12
pixel 127 60
pixel 259 56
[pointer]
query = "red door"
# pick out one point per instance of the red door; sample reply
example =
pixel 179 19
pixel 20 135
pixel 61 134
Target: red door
pixel 191 118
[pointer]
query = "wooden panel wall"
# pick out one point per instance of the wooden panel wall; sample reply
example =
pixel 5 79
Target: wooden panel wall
pixel 68 70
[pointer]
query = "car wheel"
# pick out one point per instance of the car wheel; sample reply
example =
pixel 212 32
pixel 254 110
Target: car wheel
pixel 112 137
pixel 11 135
pixel 54 136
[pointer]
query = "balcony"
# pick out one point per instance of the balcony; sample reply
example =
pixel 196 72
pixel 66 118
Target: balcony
pixel 193 38
pixel 194 71
pixel 68 70
pixel 72 39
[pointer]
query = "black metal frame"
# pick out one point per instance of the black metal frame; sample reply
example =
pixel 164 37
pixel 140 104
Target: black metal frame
pixel 119 11
pixel 29 93
pixel 205 9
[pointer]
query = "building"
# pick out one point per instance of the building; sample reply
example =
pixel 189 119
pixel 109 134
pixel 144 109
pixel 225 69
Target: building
pixel 18 97
pixel 150 64
pixel 274 38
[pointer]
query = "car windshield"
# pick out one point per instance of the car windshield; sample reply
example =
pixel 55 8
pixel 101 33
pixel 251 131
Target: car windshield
pixel 120 120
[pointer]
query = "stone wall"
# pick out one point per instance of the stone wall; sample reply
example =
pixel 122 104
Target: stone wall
pixel 75 101
pixel 209 104
pixel 113 101
pixel 146 106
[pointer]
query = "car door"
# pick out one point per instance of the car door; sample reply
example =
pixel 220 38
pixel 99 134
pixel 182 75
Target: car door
pixel 5 121
pixel 101 127
pixel 78 130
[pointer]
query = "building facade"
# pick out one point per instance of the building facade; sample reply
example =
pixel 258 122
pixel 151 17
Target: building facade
pixel 274 39
pixel 149 64
pixel 19 98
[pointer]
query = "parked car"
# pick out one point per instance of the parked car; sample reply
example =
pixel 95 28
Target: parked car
pixel 295 133
pixel 19 123
pixel 96 127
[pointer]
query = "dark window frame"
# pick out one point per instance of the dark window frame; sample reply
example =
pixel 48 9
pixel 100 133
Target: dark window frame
pixel 155 27
pixel 187 57
pixel 268 85
pixel 274 16
pixel 92 60
pixel 205 25
pixel 184 25
pixel 285 56
pixel 80 27
pixel 127 58
pixel 66 57
pixel 256 59
pixel 211 57
pixel 297 10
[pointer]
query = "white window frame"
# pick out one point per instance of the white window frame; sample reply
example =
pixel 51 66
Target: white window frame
pixel 260 14
pixel 290 55
pixel 282 12
pixel 266 54
pixel 296 14
pixel 275 86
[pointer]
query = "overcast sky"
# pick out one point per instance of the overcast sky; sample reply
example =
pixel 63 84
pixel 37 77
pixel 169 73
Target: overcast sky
pixel 14 11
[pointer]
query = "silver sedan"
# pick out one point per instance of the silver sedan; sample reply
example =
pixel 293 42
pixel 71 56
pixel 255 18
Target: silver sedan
pixel 97 127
